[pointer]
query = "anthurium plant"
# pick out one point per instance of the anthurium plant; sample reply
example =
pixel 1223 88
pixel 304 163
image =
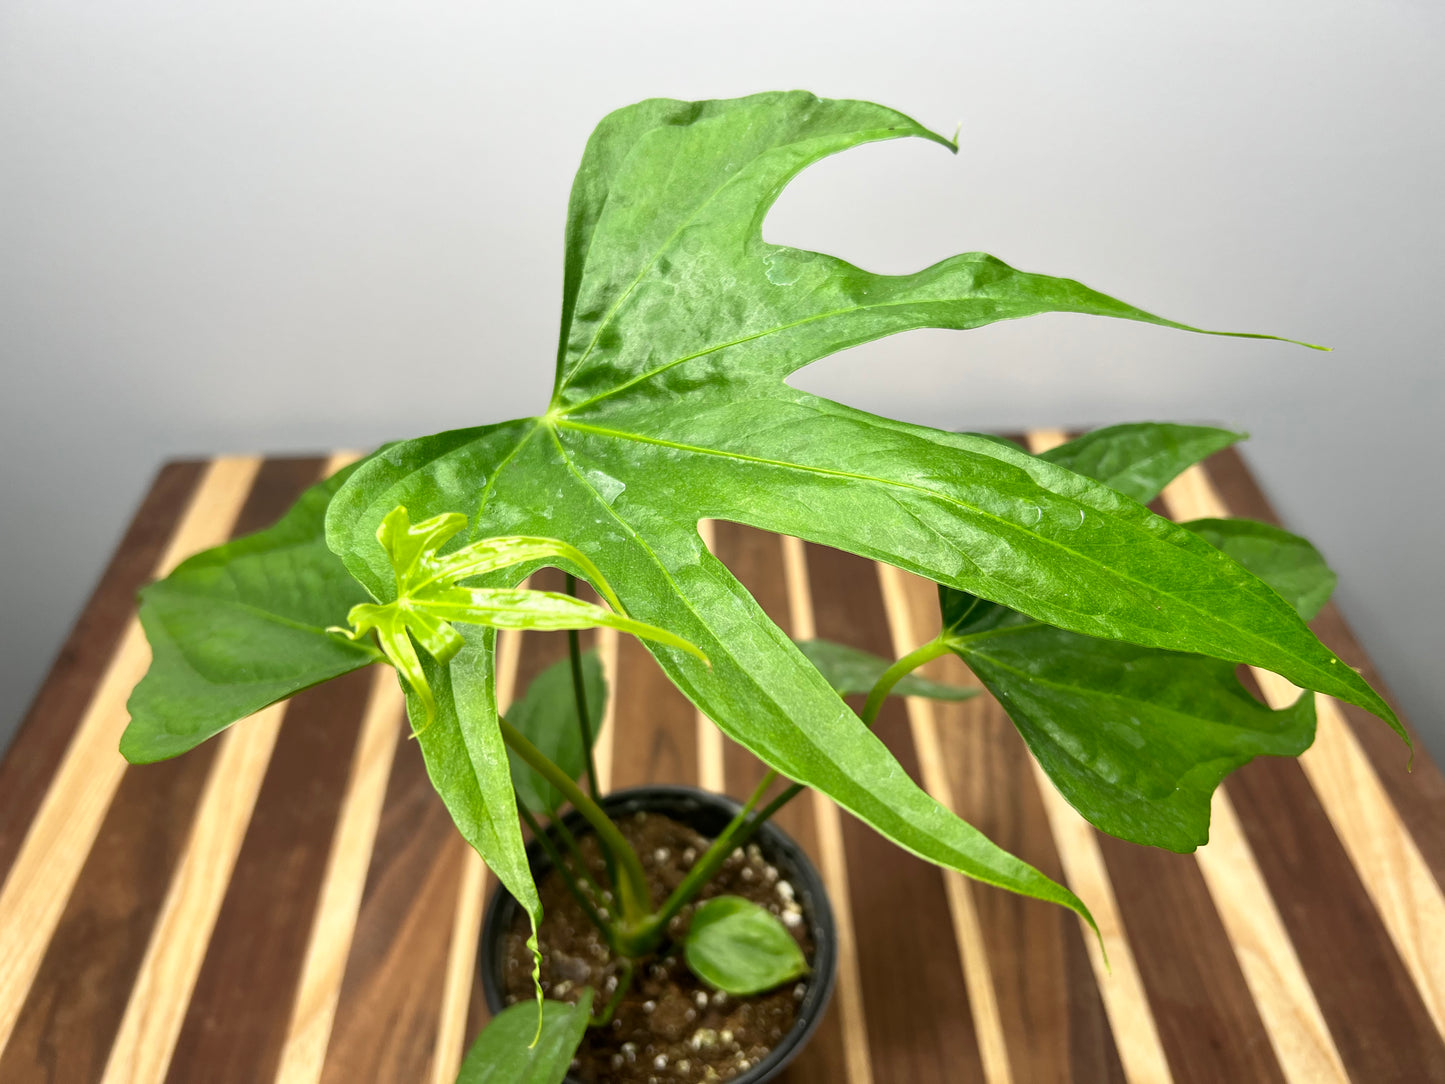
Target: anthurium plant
pixel 1109 634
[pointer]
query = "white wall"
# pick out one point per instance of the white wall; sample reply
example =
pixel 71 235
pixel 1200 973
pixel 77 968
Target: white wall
pixel 222 228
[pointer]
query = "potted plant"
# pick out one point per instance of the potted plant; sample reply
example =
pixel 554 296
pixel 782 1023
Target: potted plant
pixel 1110 635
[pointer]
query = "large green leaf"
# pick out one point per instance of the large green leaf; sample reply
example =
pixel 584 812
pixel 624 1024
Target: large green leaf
pixel 1139 459
pixel 1285 561
pixel 505 1053
pixel 242 626
pixel 680 325
pixel 547 715
pixel 1136 738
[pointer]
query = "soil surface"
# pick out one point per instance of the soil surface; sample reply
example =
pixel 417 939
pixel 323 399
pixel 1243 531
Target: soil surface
pixel 669 1028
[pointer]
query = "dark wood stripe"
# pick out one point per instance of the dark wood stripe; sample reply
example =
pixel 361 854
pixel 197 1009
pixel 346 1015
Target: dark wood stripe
pixel 390 1002
pixel 755 558
pixel 232 1030
pixel 920 1029
pixel 1370 1004
pixel 79 994
pixel 1418 795
pixel 1207 1020
pixel 39 745
pixel 1049 1002
pixel 656 736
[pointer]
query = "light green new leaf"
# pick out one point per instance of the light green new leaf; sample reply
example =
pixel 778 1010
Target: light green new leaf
pixel 1285 561
pixel 680 327
pixel 737 947
pixel 1139 459
pixel 1136 739
pixel 547 715
pixel 241 626
pixel 851 670
pixel 505 1054
pixel 428 599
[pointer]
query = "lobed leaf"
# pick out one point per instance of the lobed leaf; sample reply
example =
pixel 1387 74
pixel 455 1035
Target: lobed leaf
pixel 680 326
pixel 737 947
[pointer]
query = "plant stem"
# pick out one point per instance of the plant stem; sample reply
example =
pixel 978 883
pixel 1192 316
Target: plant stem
pixel 871 707
pixel 632 884
pixel 560 826
pixel 711 861
pixel 579 691
pixel 560 865
pixel 623 984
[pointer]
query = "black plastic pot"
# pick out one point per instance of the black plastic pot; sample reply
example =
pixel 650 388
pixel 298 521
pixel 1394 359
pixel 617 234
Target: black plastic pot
pixel 708 814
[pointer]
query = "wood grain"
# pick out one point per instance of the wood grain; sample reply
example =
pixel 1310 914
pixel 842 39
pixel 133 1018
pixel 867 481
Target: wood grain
pixel 329 939
pixel 906 981
pixel 1306 942
pixel 65 826
pixel 756 559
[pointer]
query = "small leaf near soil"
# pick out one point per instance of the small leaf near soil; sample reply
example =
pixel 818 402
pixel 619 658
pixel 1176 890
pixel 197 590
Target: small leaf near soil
pixel 505 1054
pixel 741 949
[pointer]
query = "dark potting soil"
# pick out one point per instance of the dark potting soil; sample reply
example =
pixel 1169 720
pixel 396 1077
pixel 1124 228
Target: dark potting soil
pixel 669 1028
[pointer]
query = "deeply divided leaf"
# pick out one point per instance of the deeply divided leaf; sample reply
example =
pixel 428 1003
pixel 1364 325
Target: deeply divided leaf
pixel 680 327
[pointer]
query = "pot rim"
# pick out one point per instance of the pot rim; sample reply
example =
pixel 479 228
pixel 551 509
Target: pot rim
pixel 775 844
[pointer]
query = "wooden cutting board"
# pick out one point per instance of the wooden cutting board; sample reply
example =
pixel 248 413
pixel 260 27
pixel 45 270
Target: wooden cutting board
pixel 290 901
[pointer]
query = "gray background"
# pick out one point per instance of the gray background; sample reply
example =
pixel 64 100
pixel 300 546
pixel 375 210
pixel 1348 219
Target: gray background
pixel 225 228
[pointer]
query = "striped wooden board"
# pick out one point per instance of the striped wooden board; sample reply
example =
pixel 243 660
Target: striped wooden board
pixel 290 902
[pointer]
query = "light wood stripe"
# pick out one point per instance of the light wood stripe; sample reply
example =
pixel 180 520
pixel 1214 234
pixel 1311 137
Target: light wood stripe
pixel 832 858
pixel 1125 1003
pixel 607 647
pixel 1381 848
pixel 710 776
pixel 314 1009
pixel 177 947
pixel 467 919
pixel 156 1009
pixel 65 826
pixel 1266 955
pixel 1390 864
pixel 1272 970
pixel 968 934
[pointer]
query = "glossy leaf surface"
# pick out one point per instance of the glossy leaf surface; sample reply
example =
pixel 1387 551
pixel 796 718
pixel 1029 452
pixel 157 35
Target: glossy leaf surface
pixel 504 1054
pixel 1135 738
pixel 547 714
pixel 242 626
pixel 851 670
pixel 1285 561
pixel 1139 459
pixel 680 326
pixel 736 946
